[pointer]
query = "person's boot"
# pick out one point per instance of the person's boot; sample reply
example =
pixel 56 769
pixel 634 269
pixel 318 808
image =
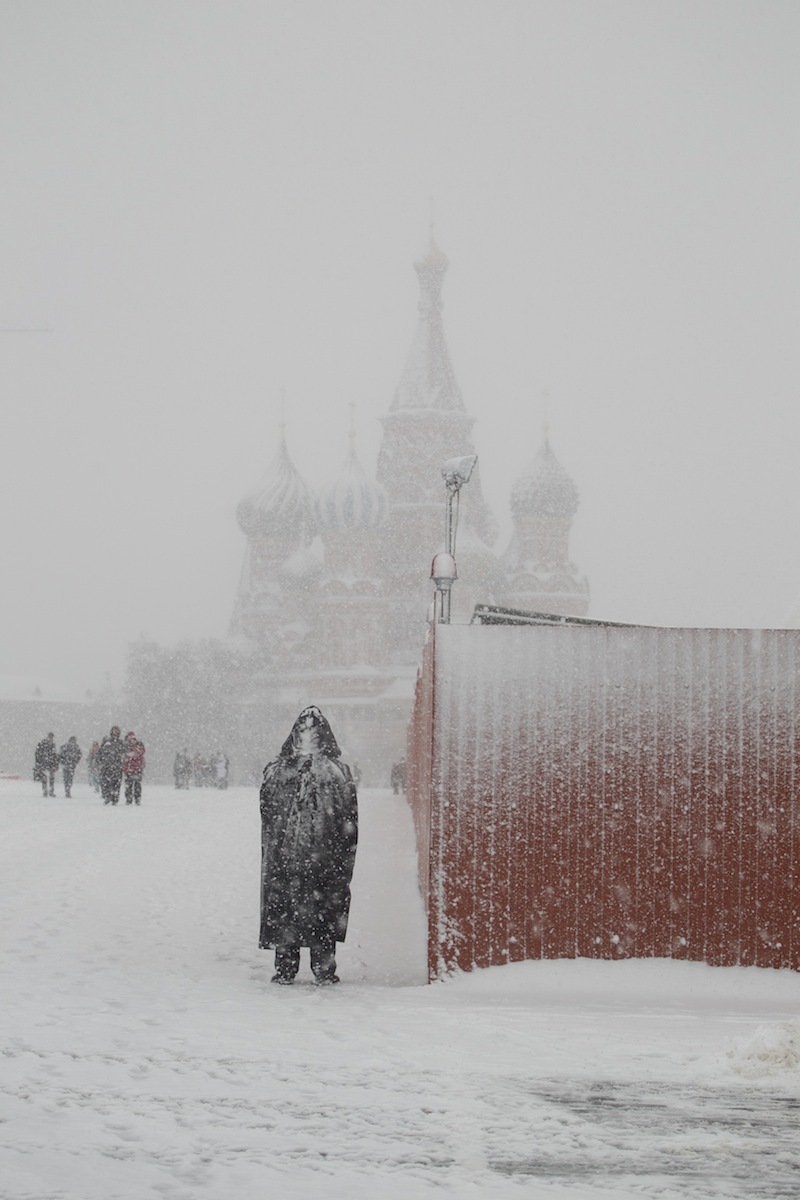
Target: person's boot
pixel 323 962
pixel 287 963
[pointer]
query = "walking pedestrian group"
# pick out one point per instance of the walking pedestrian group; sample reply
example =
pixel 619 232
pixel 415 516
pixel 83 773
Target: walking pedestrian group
pixel 107 764
pixel 201 771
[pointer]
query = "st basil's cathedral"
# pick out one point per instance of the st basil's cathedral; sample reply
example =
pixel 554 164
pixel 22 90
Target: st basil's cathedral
pixel 335 593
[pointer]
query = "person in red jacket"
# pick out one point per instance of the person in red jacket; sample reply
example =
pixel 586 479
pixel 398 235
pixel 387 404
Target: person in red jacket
pixel 133 768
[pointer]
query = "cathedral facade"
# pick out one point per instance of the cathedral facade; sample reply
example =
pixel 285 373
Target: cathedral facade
pixel 335 593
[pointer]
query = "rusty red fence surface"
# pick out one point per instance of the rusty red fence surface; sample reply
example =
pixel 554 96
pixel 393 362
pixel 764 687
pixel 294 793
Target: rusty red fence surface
pixel 607 792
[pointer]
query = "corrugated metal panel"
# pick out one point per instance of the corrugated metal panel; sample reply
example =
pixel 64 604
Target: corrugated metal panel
pixel 419 764
pixel 608 792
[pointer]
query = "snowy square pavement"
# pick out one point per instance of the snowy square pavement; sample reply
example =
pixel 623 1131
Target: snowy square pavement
pixel 146 1055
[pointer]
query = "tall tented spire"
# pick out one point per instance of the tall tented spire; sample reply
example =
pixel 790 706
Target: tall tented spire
pixel 428 380
pixel 427 424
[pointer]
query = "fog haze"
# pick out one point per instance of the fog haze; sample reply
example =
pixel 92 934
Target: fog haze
pixel 205 205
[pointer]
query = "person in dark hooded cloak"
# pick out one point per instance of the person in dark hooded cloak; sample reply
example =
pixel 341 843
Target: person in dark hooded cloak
pixel 309 831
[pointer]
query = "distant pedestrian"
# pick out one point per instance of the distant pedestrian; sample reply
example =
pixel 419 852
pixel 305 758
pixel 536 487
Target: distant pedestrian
pixel 133 768
pixel 91 766
pixel 186 770
pixel 199 770
pixel 109 765
pixel 45 764
pixel 69 756
pixel 398 777
pixel 220 764
pixel 182 770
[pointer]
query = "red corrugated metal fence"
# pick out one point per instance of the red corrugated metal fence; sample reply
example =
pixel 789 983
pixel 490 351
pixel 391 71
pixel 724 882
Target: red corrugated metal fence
pixel 608 792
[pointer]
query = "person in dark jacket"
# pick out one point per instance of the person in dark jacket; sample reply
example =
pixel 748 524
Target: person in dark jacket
pixel 109 765
pixel 133 768
pixel 45 764
pixel 69 756
pixel 309 831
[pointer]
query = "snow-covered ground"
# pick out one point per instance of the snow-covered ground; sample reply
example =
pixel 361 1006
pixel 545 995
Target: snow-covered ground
pixel 146 1054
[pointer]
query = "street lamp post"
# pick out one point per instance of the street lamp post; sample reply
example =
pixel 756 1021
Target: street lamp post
pixel 444 572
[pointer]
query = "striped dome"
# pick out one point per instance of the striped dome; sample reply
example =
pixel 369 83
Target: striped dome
pixel 283 499
pixel 545 489
pixel 354 501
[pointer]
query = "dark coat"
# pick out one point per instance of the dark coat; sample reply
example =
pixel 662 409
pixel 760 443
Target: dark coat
pixel 309 831
pixel 108 762
pixel 70 754
pixel 45 758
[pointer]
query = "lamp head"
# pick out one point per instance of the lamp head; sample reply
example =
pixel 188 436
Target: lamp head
pixel 457 471
pixel 444 571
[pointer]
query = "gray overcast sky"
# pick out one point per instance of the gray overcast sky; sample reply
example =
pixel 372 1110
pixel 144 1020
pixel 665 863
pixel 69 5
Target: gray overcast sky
pixel 210 201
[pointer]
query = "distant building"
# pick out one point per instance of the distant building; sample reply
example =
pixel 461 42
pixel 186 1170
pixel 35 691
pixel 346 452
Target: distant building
pixel 334 591
pixel 30 708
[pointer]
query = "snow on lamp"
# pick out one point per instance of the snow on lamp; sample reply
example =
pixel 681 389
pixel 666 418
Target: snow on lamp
pixel 444 572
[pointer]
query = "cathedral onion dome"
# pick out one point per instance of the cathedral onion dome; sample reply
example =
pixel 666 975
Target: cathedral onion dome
pixel 354 501
pixel 283 500
pixel 545 489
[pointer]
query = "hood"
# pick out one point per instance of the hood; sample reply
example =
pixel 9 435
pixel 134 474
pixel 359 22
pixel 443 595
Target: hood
pixel 310 722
